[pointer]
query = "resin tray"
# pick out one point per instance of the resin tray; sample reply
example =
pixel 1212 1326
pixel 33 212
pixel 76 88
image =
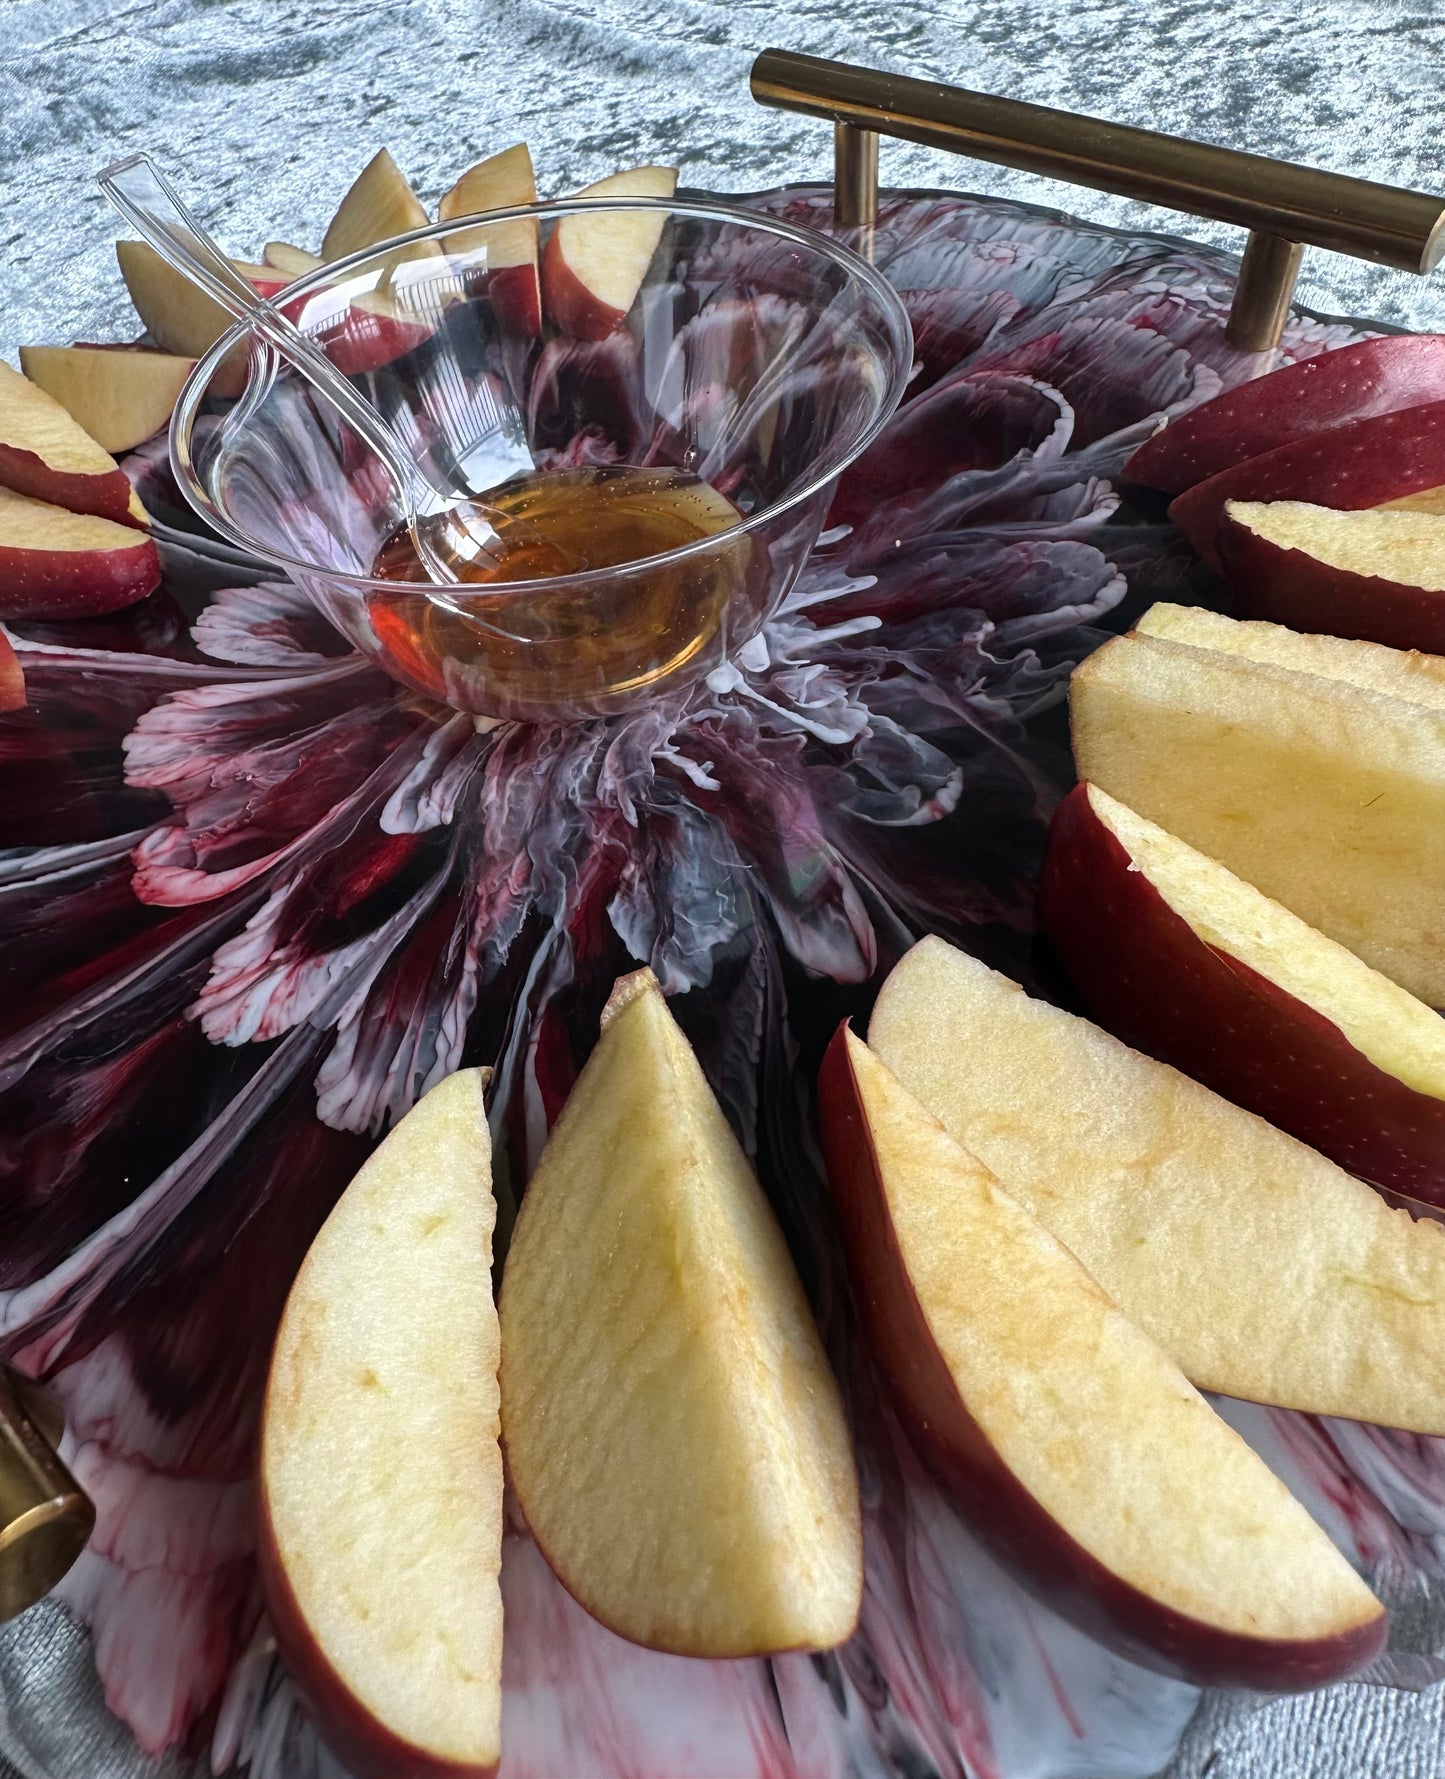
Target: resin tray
pixel 254 899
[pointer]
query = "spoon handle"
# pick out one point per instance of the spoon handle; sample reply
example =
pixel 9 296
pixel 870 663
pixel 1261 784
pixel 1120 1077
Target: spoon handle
pixel 143 194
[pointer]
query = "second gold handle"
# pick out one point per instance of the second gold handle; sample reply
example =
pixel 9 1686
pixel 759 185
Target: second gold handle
pixel 1282 205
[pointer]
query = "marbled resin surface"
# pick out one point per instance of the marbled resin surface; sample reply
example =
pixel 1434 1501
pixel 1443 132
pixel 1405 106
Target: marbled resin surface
pixel 265 109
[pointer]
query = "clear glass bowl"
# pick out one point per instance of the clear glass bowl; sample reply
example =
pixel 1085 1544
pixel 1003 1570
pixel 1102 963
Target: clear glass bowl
pixel 756 357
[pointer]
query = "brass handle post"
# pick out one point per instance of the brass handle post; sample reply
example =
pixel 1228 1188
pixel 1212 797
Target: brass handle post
pixel 1282 205
pixel 45 1516
pixel 855 175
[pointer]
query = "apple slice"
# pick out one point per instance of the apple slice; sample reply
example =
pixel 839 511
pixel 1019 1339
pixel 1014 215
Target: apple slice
pixel 374 330
pixel 381 1472
pixel 673 1433
pixel 501 182
pixel 593 265
pixel 1075 1446
pixel 181 319
pixel 47 455
pixel 178 316
pixel 1261 1268
pixel 1377 574
pixel 1354 382
pixel 292 262
pixel 1397 673
pixel 59 564
pixel 379 204
pixel 1181 958
pixel 1362 464
pixel 184 320
pixel 12 676
pixel 1310 766
pixel 120 398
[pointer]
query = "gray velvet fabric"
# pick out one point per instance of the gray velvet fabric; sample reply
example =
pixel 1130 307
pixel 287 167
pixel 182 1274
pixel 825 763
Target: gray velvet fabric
pixel 265 109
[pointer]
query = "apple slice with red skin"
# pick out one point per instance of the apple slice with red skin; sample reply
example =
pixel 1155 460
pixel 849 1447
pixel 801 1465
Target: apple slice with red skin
pixel 379 204
pixel 1376 575
pixel 593 265
pixel 179 317
pixel 1182 959
pixel 512 282
pixel 1263 1269
pixel 1075 1447
pixel 186 322
pixel 1363 464
pixel 46 454
pixel 673 1432
pixel 381 1471
pixel 59 564
pixel 1354 382
pixel 121 399
pixel 1312 766
pixel 12 676
pixel 177 314
pixel 375 331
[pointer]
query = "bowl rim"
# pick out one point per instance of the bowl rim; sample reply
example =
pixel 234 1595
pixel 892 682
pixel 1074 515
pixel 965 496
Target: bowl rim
pixel 896 326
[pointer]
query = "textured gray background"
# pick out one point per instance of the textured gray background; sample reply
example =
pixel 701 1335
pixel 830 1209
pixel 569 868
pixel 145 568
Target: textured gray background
pixel 265 109
pixel 268 107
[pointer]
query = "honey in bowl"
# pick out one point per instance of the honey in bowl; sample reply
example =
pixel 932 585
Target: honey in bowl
pixel 569 642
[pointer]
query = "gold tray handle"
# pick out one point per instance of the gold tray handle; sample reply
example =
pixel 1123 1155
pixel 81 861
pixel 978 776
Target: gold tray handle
pixel 1283 206
pixel 45 1516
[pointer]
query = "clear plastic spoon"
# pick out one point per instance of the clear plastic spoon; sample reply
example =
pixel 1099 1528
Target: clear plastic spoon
pixel 449 532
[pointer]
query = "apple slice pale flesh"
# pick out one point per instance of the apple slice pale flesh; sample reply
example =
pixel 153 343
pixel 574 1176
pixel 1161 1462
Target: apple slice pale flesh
pixel 1261 1268
pixel 177 314
pixel 59 564
pixel 1182 959
pixel 501 182
pixel 1362 464
pixel 381 1468
pixel 1376 574
pixel 179 317
pixel 1311 766
pixel 378 205
pixel 46 454
pixel 293 262
pixel 673 1432
pixel 1354 382
pixel 1075 1446
pixel 1399 673
pixel 120 398
pixel 594 265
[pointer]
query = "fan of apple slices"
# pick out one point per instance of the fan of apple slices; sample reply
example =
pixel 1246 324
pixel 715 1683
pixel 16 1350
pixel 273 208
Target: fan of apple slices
pixel 1055 1241
pixel 66 508
pixel 1318 491
pixel 1069 1438
pixel 674 1435
pixel 1052 1239
pixel 585 283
